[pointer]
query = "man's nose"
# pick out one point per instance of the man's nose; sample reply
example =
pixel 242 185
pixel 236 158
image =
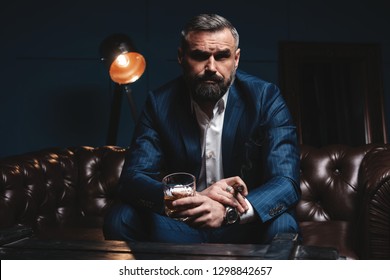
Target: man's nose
pixel 210 65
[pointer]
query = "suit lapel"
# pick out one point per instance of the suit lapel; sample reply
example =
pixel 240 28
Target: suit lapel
pixel 234 110
pixel 189 133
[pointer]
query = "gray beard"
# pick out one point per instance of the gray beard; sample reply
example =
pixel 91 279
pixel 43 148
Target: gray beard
pixel 206 92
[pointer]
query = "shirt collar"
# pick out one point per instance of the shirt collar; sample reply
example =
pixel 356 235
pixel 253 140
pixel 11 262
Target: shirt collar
pixel 219 107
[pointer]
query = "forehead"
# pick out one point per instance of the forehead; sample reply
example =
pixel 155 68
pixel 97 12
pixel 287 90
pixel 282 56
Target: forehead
pixel 209 41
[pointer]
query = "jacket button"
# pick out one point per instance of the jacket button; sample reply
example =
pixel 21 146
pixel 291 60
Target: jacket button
pixel 277 210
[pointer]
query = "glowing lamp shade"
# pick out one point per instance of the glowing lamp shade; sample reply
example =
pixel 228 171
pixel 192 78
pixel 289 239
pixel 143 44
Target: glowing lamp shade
pixel 125 64
pixel 127 68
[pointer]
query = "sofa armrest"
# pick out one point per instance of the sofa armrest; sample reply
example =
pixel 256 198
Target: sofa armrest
pixel 374 226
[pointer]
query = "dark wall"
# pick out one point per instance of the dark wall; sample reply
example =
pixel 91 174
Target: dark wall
pixel 56 92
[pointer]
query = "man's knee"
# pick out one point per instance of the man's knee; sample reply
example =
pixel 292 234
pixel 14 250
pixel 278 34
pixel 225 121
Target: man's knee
pixel 122 222
pixel 284 223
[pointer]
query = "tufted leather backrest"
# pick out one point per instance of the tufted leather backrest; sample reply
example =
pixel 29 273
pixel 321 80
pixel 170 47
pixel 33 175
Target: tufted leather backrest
pixel 99 172
pixel 329 182
pixel 38 188
pixel 59 187
pixel 62 187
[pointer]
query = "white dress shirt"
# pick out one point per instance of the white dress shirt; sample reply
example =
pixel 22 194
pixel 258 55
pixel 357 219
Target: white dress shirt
pixel 211 142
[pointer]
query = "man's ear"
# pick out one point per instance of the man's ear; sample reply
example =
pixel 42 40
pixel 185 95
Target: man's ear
pixel 237 57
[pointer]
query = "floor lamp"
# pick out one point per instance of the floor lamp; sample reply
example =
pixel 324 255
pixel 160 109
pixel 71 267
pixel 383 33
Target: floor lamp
pixel 125 66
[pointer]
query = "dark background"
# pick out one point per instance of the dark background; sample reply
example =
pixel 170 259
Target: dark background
pixel 56 92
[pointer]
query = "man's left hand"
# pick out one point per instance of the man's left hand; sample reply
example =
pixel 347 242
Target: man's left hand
pixel 230 191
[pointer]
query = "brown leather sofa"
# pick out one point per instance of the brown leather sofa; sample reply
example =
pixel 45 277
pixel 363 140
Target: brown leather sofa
pixel 65 192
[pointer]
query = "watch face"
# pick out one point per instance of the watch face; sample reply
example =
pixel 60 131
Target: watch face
pixel 231 216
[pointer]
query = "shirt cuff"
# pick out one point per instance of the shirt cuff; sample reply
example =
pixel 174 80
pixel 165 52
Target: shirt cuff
pixel 249 215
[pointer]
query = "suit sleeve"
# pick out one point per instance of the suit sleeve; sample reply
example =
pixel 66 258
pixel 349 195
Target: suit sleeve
pixel 281 191
pixel 140 183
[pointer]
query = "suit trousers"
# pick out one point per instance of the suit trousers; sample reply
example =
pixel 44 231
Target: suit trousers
pixel 123 222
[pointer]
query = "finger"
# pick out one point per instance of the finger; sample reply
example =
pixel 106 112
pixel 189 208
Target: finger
pixel 196 216
pixel 187 202
pixel 240 188
pixel 229 189
pixel 221 195
pixel 190 214
pixel 224 191
pixel 197 223
pixel 243 205
pixel 240 203
pixel 206 219
pixel 238 184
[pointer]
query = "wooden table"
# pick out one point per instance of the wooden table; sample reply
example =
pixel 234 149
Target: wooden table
pixel 33 248
pixel 21 244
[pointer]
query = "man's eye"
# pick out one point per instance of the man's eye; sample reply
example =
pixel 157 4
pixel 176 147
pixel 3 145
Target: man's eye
pixel 222 55
pixel 199 56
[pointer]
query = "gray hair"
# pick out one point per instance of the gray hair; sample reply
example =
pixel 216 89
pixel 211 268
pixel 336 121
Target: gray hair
pixel 210 23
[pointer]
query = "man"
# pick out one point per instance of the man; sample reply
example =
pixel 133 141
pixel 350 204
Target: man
pixel 231 130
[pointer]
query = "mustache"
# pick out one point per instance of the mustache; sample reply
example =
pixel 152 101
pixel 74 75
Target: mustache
pixel 209 77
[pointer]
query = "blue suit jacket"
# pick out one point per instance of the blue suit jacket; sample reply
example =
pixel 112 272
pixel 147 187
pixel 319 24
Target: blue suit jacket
pixel 258 144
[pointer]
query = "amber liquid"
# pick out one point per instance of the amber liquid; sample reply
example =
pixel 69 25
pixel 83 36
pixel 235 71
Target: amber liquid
pixel 168 199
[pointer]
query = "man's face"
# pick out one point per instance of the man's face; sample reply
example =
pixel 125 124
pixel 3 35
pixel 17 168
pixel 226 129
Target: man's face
pixel 209 63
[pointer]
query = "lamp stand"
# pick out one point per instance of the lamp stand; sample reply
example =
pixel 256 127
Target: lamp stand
pixel 133 108
pixel 115 113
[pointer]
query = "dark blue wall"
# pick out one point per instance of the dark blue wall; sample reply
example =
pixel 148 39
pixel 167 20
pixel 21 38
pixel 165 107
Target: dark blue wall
pixel 56 92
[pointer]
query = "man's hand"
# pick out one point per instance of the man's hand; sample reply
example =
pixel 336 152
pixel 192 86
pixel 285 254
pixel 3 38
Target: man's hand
pixel 207 208
pixel 200 211
pixel 230 191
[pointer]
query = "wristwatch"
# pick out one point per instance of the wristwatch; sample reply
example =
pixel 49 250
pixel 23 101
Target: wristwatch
pixel 231 215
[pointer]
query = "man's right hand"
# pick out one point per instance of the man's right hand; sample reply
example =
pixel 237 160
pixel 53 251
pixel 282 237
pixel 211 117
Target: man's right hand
pixel 200 211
